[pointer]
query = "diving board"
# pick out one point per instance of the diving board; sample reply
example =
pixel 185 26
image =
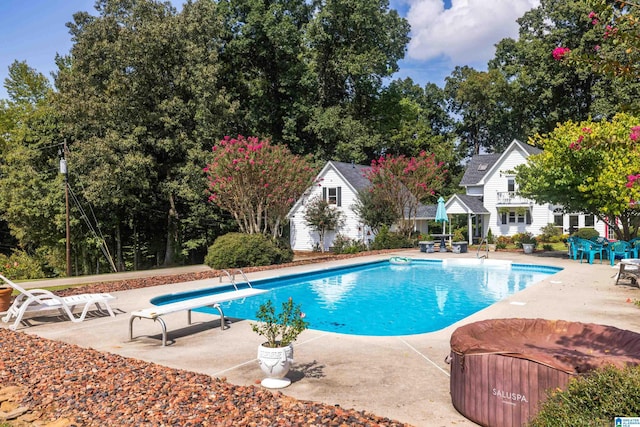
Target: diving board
pixel 213 300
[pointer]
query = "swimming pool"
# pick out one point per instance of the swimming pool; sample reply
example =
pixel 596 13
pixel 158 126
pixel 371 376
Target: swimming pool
pixel 381 299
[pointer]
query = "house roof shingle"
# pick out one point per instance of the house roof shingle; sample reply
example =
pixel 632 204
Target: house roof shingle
pixel 478 167
pixel 474 203
pixel 353 173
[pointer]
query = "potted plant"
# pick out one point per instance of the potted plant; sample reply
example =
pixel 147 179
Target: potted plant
pixel 526 241
pixel 5 298
pixel 275 355
pixel 459 244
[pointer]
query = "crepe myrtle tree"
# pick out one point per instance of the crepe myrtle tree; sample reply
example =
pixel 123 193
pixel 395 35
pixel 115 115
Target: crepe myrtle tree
pixel 322 216
pixel 617 51
pixel 589 167
pixel 405 183
pixel 257 182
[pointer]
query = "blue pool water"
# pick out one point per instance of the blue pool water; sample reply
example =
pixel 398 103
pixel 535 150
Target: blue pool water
pixel 385 300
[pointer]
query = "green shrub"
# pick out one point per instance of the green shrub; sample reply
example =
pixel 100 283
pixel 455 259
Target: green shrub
pixel 502 242
pixel 593 400
pixel 550 231
pixel 555 239
pixel 547 247
pixel 586 233
pixel 385 239
pixel 19 265
pixel 458 235
pixel 344 245
pixel 490 239
pixel 237 250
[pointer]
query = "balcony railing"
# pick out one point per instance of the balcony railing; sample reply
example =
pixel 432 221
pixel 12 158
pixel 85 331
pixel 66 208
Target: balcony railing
pixel 512 198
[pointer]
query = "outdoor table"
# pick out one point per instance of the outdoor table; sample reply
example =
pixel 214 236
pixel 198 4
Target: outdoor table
pixel 443 245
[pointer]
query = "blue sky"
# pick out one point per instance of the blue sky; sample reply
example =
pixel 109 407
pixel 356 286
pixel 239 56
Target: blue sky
pixel 444 33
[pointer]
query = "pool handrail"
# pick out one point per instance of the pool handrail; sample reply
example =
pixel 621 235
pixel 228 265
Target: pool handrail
pixel 486 246
pixel 232 278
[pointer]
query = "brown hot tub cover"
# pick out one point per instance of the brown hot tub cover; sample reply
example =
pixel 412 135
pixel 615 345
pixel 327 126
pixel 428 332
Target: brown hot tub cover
pixel 571 347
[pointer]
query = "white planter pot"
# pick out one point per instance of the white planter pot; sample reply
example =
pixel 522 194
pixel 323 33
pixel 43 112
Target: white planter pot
pixel 528 248
pixel 275 363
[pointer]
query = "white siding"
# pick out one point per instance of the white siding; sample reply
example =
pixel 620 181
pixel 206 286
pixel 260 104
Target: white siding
pixel 496 181
pixel 304 238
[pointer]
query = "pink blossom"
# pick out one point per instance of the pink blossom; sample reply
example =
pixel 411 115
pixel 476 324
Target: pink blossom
pixel 592 15
pixel 596 47
pixel 560 52
pixel 635 133
pixel 586 130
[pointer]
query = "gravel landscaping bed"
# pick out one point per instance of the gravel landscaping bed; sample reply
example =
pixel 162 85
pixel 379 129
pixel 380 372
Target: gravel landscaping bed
pixel 90 388
pixel 101 389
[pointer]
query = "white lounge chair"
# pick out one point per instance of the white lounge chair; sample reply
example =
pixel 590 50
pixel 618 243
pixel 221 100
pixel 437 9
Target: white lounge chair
pixel 40 302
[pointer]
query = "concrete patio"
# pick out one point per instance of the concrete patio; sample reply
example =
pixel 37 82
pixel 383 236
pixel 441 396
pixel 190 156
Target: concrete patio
pixel 404 378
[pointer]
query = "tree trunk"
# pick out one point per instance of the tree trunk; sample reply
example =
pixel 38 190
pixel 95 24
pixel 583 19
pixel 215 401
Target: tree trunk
pixel 172 233
pixel 119 260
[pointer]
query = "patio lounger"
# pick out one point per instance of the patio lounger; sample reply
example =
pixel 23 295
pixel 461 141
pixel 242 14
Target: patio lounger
pixel 214 300
pixel 40 302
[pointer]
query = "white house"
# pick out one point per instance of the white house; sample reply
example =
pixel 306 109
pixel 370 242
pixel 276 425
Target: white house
pixel 338 183
pixel 492 199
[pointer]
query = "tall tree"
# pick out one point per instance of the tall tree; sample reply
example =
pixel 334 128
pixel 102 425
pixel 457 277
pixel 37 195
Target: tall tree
pixel 140 104
pixel 31 189
pixel 353 46
pixel 262 60
pixel 483 101
pixel 549 92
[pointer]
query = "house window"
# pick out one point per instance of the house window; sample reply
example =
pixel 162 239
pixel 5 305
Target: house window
pixel 558 220
pixel 333 195
pixel 511 185
pixel 589 221
pixel 516 217
pixel 573 223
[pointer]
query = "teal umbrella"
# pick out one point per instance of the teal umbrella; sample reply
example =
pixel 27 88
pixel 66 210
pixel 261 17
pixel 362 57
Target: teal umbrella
pixel 441 214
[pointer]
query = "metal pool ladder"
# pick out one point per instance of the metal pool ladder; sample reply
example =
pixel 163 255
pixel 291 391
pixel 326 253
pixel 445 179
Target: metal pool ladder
pixel 232 277
pixel 486 247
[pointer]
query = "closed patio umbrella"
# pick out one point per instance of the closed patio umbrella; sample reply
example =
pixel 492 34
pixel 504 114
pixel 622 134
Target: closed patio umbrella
pixel 441 214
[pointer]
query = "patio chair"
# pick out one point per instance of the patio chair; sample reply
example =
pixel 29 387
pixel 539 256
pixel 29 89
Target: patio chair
pixel 35 302
pixel 621 250
pixel 575 248
pixel 590 249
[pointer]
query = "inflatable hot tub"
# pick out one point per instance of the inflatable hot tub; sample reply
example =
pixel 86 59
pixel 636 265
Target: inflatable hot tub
pixel 501 368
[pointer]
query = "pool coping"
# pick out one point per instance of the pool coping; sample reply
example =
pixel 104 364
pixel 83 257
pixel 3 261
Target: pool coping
pixel 403 378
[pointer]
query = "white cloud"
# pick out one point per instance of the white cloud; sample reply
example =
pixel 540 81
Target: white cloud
pixel 467 32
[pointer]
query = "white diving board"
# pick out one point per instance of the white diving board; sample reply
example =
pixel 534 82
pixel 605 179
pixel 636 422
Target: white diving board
pixel 214 300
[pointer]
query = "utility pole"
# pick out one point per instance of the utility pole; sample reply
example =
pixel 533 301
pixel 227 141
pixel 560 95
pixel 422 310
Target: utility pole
pixel 63 170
